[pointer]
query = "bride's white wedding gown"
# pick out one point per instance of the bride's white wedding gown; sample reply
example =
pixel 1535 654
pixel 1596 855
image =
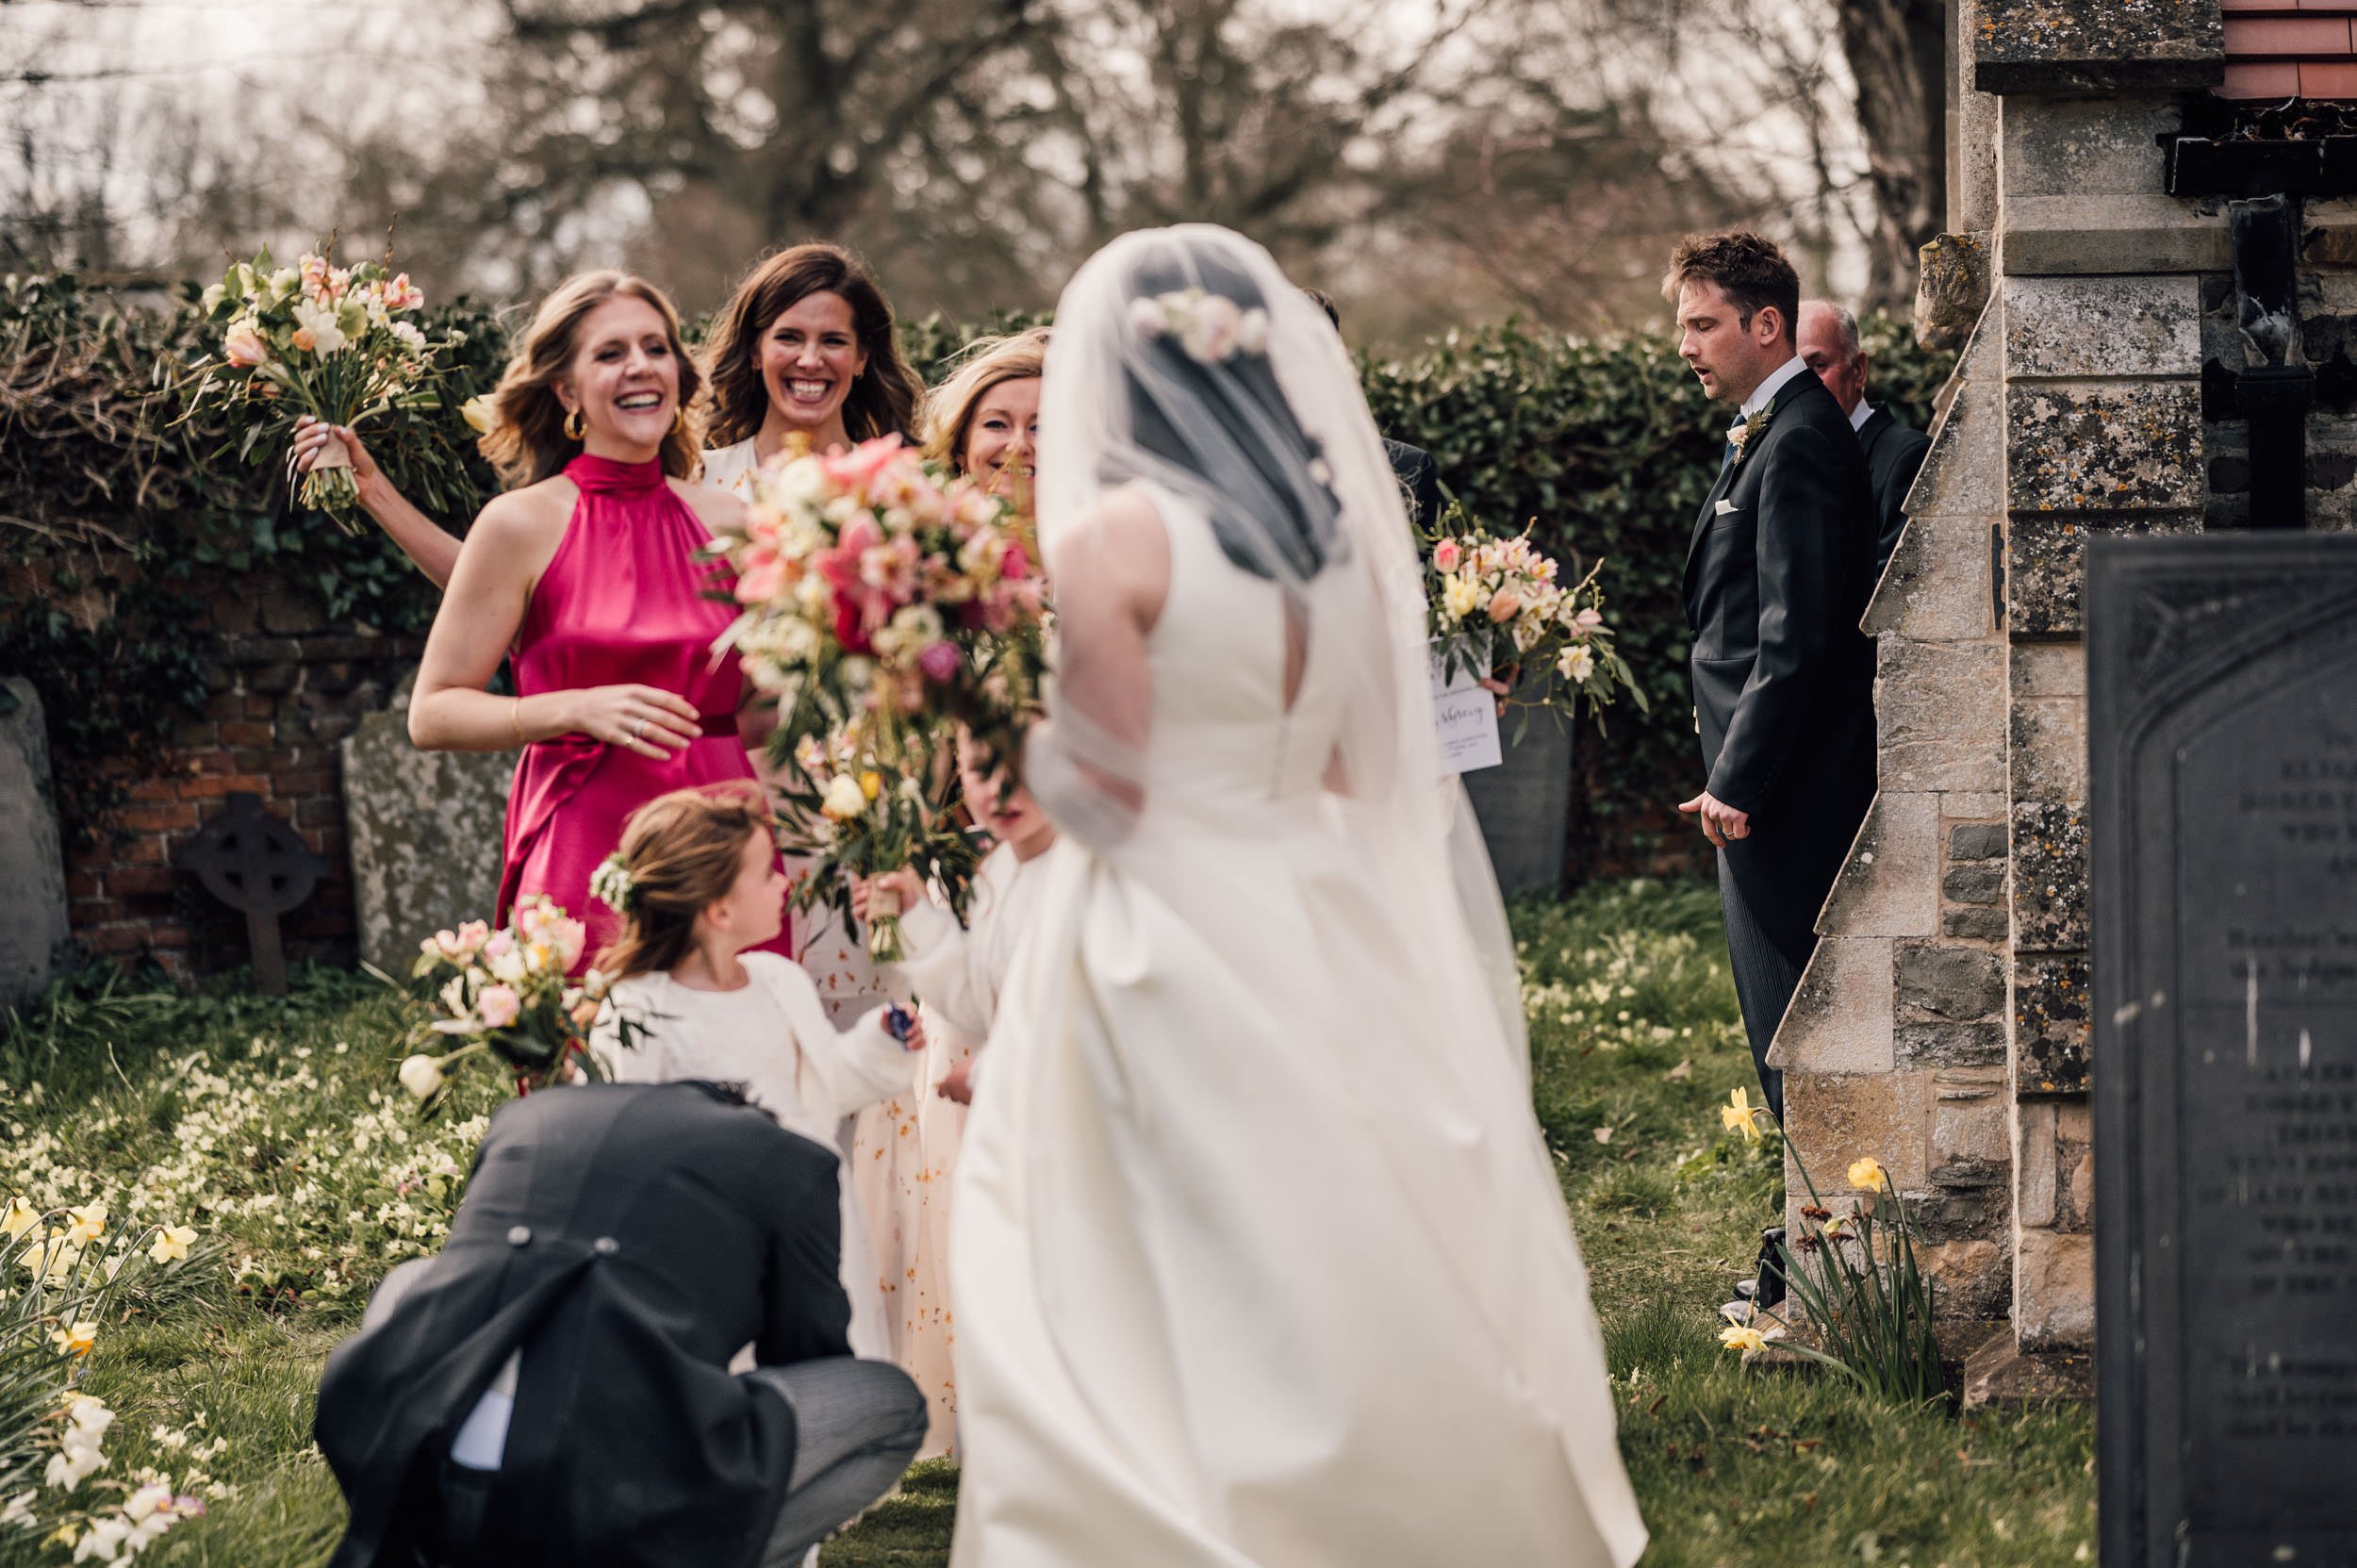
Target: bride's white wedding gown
pixel 1260 1257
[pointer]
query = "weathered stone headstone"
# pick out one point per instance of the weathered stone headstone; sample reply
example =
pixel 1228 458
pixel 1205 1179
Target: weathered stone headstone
pixel 32 867
pixel 424 830
pixel 2222 719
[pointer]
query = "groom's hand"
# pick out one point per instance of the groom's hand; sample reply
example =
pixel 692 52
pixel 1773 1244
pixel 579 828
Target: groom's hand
pixel 1720 820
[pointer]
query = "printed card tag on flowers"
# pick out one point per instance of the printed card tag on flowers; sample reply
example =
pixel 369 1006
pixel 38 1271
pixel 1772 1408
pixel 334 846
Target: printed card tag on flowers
pixel 1465 715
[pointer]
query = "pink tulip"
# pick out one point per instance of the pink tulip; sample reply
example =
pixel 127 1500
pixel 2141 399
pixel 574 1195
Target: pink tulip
pixel 1504 606
pixel 498 1006
pixel 242 345
pixel 939 661
pixel 858 468
pixel 1446 554
pixel 760 578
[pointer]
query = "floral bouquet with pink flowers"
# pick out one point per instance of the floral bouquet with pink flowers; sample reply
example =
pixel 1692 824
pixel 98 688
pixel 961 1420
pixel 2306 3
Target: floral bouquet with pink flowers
pixel 884 606
pixel 1498 606
pixel 509 996
pixel 346 345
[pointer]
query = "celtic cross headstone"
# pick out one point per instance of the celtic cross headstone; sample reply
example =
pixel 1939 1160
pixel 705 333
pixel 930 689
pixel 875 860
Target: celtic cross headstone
pixel 259 867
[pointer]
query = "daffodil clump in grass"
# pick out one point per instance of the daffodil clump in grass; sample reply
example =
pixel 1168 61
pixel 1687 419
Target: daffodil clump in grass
pixel 306 1173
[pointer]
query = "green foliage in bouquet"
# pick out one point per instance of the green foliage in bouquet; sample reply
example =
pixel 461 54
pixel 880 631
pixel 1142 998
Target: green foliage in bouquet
pixel 348 346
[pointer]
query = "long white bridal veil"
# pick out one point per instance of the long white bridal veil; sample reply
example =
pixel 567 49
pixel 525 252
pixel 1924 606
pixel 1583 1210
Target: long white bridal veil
pixel 1185 362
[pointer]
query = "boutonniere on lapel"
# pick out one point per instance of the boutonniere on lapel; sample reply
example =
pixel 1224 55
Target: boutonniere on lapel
pixel 1741 431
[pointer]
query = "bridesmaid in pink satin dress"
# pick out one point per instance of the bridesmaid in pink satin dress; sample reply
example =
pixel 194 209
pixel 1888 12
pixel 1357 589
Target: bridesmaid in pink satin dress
pixel 587 573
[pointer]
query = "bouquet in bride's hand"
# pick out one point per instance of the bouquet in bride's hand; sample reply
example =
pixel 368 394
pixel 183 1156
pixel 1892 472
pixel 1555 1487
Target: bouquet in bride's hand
pixel 1498 606
pixel 882 604
pixel 347 346
pixel 508 1000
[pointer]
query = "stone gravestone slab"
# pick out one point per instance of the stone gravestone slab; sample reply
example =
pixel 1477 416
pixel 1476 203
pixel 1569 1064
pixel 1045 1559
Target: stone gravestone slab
pixel 424 830
pixel 33 927
pixel 2222 727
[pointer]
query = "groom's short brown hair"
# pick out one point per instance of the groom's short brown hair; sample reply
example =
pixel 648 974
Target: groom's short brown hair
pixel 1748 268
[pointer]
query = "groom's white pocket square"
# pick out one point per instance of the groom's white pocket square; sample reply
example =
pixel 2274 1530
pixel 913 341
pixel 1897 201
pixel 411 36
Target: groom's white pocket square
pixel 1724 508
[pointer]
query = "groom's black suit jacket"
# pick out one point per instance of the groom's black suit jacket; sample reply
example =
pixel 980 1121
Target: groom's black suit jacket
pixel 1776 580
pixel 629 1238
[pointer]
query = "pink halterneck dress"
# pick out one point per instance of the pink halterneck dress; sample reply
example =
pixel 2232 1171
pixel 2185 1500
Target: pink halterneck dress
pixel 623 600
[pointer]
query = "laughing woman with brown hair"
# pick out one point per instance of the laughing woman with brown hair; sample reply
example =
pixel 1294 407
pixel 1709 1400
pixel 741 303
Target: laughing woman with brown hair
pixel 586 576
pixel 805 348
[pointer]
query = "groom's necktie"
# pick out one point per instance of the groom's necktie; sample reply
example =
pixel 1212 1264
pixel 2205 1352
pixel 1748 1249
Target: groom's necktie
pixel 1727 461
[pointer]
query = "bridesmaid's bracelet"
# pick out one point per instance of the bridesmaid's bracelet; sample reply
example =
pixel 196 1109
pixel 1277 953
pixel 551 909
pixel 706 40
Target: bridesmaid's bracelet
pixel 515 716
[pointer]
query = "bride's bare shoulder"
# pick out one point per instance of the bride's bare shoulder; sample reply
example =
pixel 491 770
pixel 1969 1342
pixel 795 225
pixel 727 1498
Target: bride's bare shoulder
pixel 1120 549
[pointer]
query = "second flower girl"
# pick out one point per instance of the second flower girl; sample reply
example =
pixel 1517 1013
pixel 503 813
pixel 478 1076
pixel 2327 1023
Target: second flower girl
pixel 698 883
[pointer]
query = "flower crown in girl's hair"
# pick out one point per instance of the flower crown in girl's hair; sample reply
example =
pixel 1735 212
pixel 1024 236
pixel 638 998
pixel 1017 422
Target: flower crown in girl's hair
pixel 1212 328
pixel 612 884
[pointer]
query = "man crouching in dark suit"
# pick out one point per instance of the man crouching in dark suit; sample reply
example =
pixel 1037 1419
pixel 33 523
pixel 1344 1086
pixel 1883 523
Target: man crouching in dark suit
pixel 554 1387
pixel 1894 454
pixel 1777 576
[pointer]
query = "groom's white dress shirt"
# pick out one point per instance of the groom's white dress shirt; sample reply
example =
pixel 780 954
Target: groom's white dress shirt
pixel 1774 384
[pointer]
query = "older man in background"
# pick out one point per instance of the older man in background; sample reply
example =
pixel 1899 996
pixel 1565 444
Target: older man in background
pixel 1829 346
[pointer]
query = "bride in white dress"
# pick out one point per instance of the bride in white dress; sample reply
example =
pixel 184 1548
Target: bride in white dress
pixel 1260 1257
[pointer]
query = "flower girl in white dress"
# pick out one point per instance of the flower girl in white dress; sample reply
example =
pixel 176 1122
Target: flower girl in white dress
pixel 698 882
pixel 957 971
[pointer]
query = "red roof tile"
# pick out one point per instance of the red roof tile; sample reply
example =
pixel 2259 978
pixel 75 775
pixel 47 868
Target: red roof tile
pixel 2290 48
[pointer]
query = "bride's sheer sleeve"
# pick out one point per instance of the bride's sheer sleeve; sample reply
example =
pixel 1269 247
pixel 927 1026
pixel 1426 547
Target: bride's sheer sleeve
pixel 1085 764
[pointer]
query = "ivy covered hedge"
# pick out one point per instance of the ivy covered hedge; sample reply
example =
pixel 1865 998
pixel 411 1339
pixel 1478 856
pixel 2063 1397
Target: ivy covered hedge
pixel 124 529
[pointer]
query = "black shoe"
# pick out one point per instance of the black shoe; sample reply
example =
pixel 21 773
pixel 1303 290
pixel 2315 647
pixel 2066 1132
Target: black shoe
pixel 1768 1268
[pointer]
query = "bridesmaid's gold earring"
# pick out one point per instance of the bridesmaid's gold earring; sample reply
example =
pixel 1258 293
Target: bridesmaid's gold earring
pixel 572 425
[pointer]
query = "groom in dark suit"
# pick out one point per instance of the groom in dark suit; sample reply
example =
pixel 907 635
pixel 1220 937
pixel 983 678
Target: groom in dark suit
pixel 1777 576
pixel 554 1388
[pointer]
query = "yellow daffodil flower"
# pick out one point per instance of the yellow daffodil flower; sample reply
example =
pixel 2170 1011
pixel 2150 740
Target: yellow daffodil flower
pixel 74 1339
pixel 171 1243
pixel 90 1222
pixel 1738 1115
pixel 1743 1337
pixel 1868 1175
pixel 21 1217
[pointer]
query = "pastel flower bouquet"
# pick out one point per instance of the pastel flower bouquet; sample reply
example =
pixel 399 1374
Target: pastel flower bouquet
pixel 509 999
pixel 1498 606
pixel 347 345
pixel 884 604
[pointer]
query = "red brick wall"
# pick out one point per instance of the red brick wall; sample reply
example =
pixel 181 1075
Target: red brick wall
pixel 286 690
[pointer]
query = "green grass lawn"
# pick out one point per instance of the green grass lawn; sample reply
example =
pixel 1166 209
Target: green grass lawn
pixel 276 1128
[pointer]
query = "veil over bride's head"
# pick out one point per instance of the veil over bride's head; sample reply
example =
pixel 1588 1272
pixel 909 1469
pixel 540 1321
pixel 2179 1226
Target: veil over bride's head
pixel 1184 359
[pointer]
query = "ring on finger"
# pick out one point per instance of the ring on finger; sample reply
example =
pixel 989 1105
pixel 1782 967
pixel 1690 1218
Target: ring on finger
pixel 638 730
